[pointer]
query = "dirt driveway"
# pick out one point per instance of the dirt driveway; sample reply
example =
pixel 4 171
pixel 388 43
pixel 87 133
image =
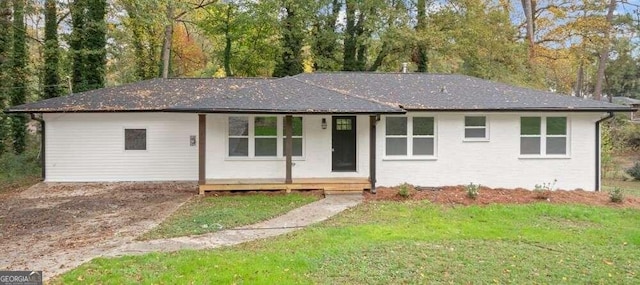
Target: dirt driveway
pixel 56 227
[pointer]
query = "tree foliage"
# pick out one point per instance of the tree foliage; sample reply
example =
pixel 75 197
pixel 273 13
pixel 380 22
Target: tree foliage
pixel 292 27
pixel 5 79
pixel 51 51
pixel 19 89
pixel 88 44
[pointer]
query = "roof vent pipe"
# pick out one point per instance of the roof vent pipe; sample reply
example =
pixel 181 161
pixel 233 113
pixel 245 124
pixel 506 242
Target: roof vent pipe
pixel 404 67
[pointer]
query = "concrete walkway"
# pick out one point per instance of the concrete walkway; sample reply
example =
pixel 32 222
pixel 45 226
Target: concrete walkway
pixel 296 219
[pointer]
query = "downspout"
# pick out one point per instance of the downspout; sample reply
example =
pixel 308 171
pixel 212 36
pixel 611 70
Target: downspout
pixel 597 188
pixel 42 144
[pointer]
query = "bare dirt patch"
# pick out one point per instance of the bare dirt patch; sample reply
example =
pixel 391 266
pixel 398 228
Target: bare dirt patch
pixel 456 195
pixel 55 227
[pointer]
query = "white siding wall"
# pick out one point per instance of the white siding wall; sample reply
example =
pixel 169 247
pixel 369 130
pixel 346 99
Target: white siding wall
pixel 90 147
pixel 316 162
pixel 497 162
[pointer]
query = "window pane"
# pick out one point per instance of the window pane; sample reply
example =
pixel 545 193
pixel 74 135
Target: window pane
pixel 556 145
pixel 266 147
pixel 423 126
pixel 396 146
pixel 297 147
pixel 238 147
pixel 475 121
pixel 135 139
pixel 396 126
pixel 238 126
pixel 423 146
pixel 530 125
pixel 475 133
pixel 266 126
pixel 530 145
pixel 343 124
pixel 297 126
pixel 556 125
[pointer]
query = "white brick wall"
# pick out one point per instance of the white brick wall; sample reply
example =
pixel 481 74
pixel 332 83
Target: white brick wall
pixel 497 162
pixel 316 162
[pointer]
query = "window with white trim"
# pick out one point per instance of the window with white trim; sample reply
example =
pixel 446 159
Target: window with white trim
pixel 296 136
pixel 543 136
pixel 409 136
pixel 261 136
pixel 475 128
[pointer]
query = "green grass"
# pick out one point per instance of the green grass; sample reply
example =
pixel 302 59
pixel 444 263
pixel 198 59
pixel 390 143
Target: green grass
pixel 412 242
pixel 209 214
pixel 630 187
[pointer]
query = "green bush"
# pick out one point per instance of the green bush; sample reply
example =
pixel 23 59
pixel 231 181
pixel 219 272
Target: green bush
pixel 472 190
pixel 616 195
pixel 634 171
pixel 404 190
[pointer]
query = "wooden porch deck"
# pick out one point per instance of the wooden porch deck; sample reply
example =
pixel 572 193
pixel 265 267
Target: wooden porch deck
pixel 328 185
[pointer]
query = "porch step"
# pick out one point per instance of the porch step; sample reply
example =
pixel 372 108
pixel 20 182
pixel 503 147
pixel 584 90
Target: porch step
pixel 343 192
pixel 329 185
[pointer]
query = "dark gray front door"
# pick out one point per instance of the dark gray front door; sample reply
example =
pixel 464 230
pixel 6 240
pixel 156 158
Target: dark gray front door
pixel 343 143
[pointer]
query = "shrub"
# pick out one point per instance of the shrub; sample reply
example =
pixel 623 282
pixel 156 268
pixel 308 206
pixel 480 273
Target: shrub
pixel 472 190
pixel 634 171
pixel 543 191
pixel 404 190
pixel 616 195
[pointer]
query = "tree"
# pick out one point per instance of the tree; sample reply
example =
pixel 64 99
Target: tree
pixel 19 74
pixel 324 40
pixel 422 59
pixel 95 41
pixel 88 44
pixel 51 51
pixel 76 45
pixel 5 82
pixel 623 73
pixel 292 37
pixel 604 51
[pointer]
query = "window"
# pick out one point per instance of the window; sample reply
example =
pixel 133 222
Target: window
pixel 262 136
pixel 266 136
pixel 296 136
pixel 238 136
pixel 135 139
pixel 543 136
pixel 343 124
pixel 410 136
pixel 475 128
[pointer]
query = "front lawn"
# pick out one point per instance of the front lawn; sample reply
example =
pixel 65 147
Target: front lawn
pixel 209 214
pixel 411 242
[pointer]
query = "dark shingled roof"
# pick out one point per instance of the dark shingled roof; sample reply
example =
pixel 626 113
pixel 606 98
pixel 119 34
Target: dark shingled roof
pixel 450 92
pixel 148 95
pixel 342 92
pixel 287 95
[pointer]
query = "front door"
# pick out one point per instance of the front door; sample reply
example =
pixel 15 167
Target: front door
pixel 343 143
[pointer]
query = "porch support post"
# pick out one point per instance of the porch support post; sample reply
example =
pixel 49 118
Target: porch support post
pixel 202 148
pixel 372 152
pixel 288 146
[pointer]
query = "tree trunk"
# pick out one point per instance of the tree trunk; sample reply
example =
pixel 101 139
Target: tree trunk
pixel 168 37
pixel 604 52
pixel 580 81
pixel 227 47
pixel 528 12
